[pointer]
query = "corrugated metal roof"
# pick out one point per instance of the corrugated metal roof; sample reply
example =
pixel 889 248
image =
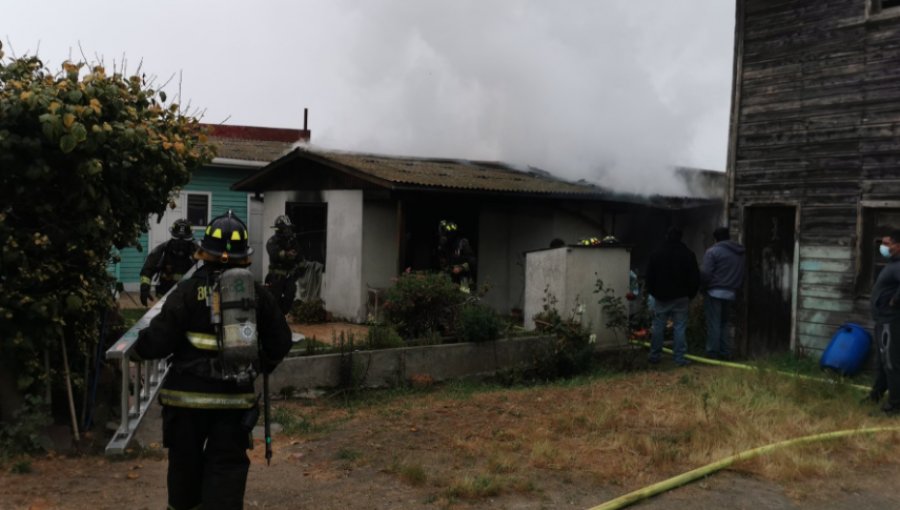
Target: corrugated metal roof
pixel 455 174
pixel 249 150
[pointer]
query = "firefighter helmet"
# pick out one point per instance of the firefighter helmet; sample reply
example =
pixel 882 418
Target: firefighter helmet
pixel 226 240
pixel 283 221
pixel 448 227
pixel 181 229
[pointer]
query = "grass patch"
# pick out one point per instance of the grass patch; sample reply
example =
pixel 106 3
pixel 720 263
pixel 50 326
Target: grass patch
pixel 476 440
pixel 130 316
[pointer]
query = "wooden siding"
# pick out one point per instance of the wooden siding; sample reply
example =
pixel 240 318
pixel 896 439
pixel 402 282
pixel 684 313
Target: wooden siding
pixel 215 180
pixel 817 125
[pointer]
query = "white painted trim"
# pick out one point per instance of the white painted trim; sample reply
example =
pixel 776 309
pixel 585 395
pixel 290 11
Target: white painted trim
pixel 239 162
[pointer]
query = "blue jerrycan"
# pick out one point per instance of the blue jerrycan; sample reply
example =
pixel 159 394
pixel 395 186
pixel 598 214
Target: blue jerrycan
pixel 847 350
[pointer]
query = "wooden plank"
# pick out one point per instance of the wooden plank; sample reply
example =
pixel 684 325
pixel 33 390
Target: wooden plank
pixel 814 278
pixel 830 266
pixel 825 304
pixel 824 252
pixel 814 329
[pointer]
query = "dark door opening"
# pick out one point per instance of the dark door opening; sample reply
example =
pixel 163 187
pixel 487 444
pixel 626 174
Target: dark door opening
pixel 310 221
pixel 420 229
pixel 769 239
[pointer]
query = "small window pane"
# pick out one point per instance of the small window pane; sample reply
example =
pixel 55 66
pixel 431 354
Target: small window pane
pixel 198 210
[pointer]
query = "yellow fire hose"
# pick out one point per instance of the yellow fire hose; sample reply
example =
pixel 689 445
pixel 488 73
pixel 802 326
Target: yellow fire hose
pixel 690 476
pixel 731 364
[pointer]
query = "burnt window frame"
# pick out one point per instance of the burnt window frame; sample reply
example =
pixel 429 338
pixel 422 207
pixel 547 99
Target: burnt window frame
pixel 880 9
pixel 870 235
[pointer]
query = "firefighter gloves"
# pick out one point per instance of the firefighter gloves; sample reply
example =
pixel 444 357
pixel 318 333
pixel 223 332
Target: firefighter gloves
pixel 145 294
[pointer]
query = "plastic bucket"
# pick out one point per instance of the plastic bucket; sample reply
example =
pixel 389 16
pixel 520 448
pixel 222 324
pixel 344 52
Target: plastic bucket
pixel 847 350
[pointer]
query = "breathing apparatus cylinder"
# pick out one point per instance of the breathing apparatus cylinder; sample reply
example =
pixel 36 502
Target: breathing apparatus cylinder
pixel 234 311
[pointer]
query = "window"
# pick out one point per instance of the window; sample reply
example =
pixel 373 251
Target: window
pixel 877 223
pixel 884 6
pixel 198 209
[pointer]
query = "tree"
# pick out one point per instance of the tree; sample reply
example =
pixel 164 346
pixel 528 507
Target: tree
pixel 86 157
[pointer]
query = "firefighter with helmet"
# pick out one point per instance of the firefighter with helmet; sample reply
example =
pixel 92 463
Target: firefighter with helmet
pixel 284 260
pixel 168 261
pixel 455 256
pixel 207 416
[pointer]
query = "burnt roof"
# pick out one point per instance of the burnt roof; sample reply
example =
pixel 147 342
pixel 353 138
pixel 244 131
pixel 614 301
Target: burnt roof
pixel 396 172
pixel 304 168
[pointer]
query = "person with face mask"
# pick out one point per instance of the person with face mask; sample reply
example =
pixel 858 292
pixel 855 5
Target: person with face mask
pixel 885 304
pixel 169 261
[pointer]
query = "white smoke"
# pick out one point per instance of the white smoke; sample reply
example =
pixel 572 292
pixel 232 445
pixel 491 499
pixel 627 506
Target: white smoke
pixel 612 91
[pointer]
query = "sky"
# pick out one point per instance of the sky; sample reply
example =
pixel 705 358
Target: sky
pixel 615 92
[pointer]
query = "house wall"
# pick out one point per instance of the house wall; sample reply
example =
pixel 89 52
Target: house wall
pixel 380 244
pixel 506 234
pixel 343 289
pixel 217 181
pixel 815 124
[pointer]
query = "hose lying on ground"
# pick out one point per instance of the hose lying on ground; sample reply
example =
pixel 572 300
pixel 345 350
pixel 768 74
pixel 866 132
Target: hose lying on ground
pixel 731 364
pixel 690 476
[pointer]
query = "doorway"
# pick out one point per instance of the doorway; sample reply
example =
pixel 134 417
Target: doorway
pixel 770 238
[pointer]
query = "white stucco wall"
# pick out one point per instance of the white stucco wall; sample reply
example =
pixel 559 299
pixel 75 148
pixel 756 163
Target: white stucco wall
pixel 273 207
pixel 380 244
pixel 343 289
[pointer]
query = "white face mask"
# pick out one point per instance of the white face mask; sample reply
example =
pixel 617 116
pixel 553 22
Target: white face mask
pixel 885 251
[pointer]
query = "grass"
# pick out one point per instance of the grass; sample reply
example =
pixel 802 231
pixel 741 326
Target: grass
pixel 471 441
pixel 131 315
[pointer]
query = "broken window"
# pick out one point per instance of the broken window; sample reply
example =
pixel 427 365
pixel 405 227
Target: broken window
pixel 877 223
pixel 310 221
pixel 879 6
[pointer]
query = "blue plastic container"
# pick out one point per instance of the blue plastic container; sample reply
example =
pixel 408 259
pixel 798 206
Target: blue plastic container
pixel 847 350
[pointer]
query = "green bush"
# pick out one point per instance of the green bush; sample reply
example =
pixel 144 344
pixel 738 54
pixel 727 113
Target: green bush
pixel 422 304
pixel 23 433
pixel 383 336
pixel 478 323
pixel 309 312
pixel 571 351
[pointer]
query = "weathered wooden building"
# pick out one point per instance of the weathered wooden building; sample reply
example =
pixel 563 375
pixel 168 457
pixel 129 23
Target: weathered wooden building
pixel 814 163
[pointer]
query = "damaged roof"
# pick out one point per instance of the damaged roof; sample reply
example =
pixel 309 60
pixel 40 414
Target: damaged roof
pixel 306 168
pixel 395 172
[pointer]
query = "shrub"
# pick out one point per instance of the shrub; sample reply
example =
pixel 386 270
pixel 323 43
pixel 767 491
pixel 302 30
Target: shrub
pixel 478 323
pixel 421 303
pixel 23 433
pixel 383 336
pixel 571 351
pixel 309 312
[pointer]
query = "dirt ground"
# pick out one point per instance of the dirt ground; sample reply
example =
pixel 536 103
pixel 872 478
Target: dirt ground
pixel 404 453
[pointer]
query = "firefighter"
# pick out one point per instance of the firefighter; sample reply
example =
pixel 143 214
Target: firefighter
pixel 207 417
pixel 455 256
pixel 284 260
pixel 168 261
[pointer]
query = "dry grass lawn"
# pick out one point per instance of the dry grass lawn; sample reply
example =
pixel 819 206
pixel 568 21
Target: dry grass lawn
pixel 465 441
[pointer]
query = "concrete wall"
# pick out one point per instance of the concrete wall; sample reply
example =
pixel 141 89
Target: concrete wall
pixel 389 367
pixel 380 243
pixel 343 289
pixel 570 275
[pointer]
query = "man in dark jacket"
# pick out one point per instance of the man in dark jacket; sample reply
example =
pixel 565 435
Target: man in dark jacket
pixel 721 276
pixel 885 303
pixel 208 416
pixel 169 261
pixel 672 281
